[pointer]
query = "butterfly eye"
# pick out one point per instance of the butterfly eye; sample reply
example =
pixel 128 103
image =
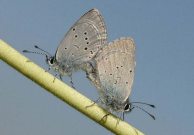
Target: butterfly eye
pixel 51 61
pixel 127 107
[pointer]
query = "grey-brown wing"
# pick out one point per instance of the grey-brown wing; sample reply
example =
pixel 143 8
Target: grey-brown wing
pixel 115 68
pixel 83 40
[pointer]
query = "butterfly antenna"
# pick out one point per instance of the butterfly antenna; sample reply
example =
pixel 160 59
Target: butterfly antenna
pixel 153 106
pixel 42 50
pixel 145 111
pixel 27 51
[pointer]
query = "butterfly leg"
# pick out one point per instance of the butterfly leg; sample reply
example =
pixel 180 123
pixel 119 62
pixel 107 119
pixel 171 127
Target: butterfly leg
pixel 60 76
pixel 97 101
pixel 92 75
pixel 104 118
pixel 71 81
pixel 90 71
pixel 123 114
pixel 117 122
pixel 55 78
pixel 119 117
pixel 48 69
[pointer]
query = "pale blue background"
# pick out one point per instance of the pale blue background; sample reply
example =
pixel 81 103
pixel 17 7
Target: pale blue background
pixel 163 32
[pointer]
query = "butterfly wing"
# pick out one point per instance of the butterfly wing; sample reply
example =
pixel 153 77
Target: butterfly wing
pixel 83 40
pixel 115 69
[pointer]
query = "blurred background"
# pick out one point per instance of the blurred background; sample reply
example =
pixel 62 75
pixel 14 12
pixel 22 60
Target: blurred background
pixel 163 32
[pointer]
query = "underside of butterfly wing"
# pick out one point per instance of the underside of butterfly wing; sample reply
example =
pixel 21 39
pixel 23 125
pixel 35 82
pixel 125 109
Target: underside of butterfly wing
pixel 115 69
pixel 82 41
